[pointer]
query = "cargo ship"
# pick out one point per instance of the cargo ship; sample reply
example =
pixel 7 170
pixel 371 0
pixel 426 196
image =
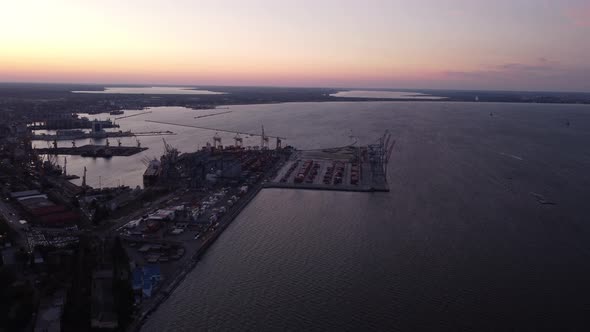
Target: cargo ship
pixel 67 134
pixel 152 173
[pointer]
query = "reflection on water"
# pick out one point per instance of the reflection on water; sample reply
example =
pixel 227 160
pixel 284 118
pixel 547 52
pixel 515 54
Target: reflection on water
pixel 459 243
pixel 385 95
pixel 154 90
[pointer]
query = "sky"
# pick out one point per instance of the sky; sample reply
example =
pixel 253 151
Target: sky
pixel 438 44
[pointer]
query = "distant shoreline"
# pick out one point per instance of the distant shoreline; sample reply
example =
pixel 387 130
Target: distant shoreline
pixel 62 97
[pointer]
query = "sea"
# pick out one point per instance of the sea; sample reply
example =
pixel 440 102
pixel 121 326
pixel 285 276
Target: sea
pixel 486 226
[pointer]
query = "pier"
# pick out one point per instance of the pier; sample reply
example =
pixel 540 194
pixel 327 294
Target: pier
pixel 311 186
pixel 132 115
pixel 167 289
pixel 348 168
pixel 99 135
pixel 96 151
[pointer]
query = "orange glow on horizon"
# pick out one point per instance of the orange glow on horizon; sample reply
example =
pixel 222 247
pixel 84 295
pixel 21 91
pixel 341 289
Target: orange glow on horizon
pixel 329 43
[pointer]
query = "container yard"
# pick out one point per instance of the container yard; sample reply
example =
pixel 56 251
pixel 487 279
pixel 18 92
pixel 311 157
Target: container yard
pixel 350 168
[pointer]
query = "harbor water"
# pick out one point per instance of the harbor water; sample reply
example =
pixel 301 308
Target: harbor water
pixel 486 226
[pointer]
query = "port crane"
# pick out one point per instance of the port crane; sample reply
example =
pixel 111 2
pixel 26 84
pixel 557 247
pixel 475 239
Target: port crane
pixel 216 140
pixel 264 137
pixel 379 154
pixel 238 140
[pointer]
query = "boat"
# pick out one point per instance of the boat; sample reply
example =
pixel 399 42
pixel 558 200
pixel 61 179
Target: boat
pixel 152 173
pixel 67 134
pixel 116 112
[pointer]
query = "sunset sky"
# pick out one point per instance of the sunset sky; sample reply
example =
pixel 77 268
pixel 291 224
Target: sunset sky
pixel 464 44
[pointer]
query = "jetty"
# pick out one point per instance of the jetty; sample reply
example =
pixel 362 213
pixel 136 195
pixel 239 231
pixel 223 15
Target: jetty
pixel 91 150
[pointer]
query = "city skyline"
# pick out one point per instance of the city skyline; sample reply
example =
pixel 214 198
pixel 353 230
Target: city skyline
pixel 499 45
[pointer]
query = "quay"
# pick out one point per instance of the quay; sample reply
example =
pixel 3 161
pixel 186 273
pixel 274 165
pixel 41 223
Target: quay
pixel 349 168
pixel 224 222
pixel 99 135
pixel 91 150
pixel 311 186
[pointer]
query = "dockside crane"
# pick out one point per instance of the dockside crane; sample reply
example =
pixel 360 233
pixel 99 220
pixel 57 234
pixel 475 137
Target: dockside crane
pixel 216 140
pixel 238 140
pixel 263 139
pixel 217 129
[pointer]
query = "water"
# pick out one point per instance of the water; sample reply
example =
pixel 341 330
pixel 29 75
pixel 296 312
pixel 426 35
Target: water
pixel 153 90
pixel 460 243
pixel 385 95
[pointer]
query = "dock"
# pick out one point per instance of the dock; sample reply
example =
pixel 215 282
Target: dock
pixel 101 135
pixel 95 151
pixel 169 287
pixel 349 168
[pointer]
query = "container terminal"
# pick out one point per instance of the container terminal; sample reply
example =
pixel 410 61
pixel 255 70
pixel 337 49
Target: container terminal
pixel 212 185
pixel 162 229
pixel 349 168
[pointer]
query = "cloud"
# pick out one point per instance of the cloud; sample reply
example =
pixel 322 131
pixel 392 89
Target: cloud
pixel 579 16
pixel 542 74
pixel 542 64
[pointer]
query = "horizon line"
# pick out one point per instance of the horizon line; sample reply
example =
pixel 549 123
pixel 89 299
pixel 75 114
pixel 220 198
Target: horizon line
pixel 106 85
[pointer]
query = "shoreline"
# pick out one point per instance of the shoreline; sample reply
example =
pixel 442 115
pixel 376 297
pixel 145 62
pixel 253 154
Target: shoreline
pixel 167 290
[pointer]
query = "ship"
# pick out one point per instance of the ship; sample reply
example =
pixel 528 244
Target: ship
pixel 99 153
pixel 67 134
pixel 116 112
pixel 152 173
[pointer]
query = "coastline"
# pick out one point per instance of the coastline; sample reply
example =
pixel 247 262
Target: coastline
pixel 165 292
pixel 167 289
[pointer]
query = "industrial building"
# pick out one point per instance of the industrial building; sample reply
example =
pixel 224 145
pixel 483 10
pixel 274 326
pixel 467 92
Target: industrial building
pixel 43 211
